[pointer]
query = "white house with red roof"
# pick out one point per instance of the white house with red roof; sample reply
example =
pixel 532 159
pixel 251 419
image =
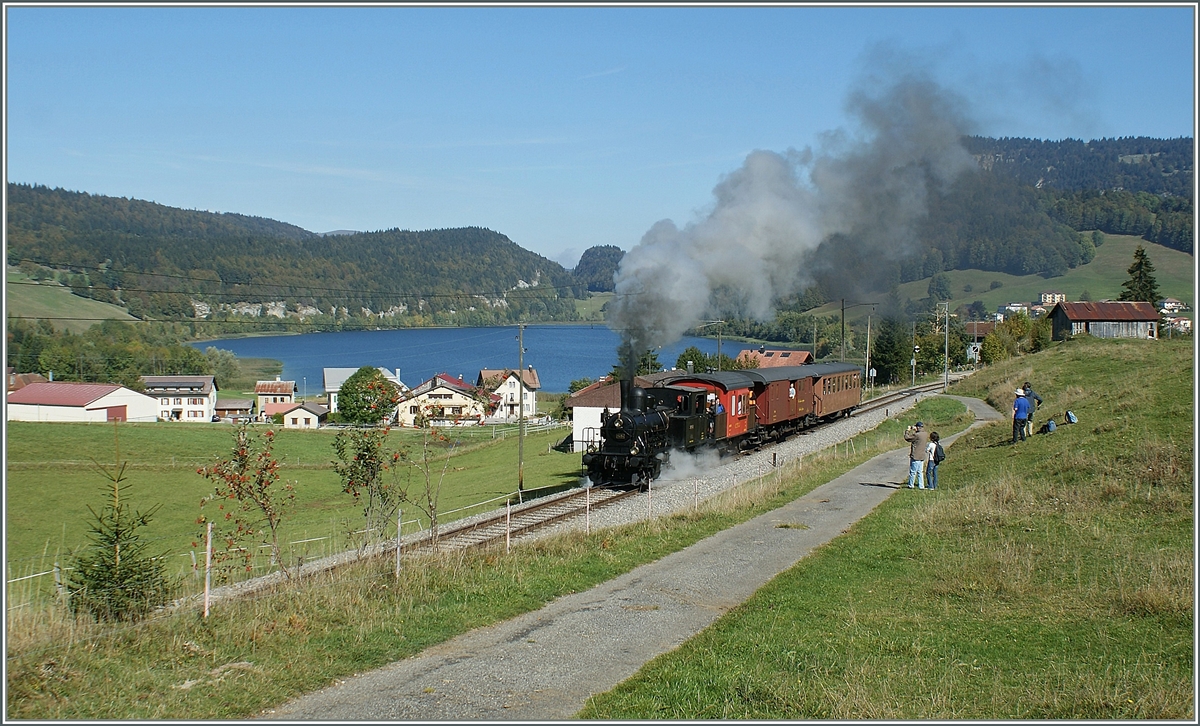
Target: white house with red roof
pixel 506 384
pixel 85 402
pixel 447 401
pixel 275 391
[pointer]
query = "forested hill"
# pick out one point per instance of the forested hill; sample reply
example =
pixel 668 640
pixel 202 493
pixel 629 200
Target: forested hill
pixel 159 260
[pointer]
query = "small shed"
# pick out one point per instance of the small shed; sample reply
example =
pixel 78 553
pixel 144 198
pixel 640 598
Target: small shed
pixel 1105 320
pixel 305 416
pixel 235 408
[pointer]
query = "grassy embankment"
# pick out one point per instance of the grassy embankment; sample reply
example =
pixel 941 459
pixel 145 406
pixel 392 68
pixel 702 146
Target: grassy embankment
pixel 1052 579
pixel 54 301
pixel 255 653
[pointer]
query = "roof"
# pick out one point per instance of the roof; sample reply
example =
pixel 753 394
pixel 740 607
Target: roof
pixel 976 327
pixel 605 393
pixel 444 379
pixel 62 394
pixel 772 358
pixel 529 375
pixel 267 388
pixel 313 408
pixel 270 409
pixel 1099 311
pixel 17 381
pixel 180 384
pixel 335 377
pixel 234 404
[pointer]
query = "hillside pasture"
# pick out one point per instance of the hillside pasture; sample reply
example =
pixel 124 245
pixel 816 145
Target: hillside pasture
pixel 54 301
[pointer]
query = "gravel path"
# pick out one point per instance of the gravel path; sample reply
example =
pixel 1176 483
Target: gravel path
pixel 544 665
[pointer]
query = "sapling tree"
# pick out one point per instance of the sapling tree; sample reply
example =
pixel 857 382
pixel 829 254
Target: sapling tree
pixel 250 502
pixel 115 578
pixel 425 493
pixel 363 459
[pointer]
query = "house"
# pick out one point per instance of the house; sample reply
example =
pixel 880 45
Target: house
pixel 587 405
pixel 236 409
pixel 979 330
pixel 1171 305
pixel 774 358
pixel 1010 309
pixel 1178 324
pixel 335 377
pixel 1051 297
pixel 305 416
pixel 183 398
pixel 17 381
pixel 446 401
pixel 275 391
pixel 506 384
pixel 1105 319
pixel 87 402
pixel 267 413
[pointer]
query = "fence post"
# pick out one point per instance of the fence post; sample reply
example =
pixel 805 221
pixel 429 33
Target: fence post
pixel 507 525
pixel 649 507
pixel 399 524
pixel 58 585
pixel 207 567
pixel 587 510
pixel 195 569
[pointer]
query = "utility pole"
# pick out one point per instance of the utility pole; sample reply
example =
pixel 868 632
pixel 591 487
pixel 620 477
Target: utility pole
pixel 946 354
pixel 914 358
pixel 521 412
pixel 843 330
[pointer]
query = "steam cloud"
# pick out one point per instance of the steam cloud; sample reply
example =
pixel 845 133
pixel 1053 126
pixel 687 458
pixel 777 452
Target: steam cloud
pixel 770 215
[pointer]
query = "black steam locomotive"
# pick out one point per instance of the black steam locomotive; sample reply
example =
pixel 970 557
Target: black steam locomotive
pixel 729 410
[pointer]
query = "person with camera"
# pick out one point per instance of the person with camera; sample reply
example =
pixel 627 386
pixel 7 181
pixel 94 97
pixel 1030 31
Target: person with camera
pixel 918 453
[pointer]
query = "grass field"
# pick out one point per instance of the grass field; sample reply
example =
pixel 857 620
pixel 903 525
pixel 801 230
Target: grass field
pixel 51 480
pixel 55 301
pixel 1049 580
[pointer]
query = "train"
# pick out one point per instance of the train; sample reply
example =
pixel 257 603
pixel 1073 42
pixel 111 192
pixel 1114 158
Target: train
pixel 729 411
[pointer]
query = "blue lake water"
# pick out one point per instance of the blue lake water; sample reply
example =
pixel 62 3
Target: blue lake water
pixel 559 353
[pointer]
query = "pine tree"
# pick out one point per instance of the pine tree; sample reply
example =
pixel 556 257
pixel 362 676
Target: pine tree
pixel 1141 285
pixel 115 578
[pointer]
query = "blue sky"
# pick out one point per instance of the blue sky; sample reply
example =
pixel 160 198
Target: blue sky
pixel 562 128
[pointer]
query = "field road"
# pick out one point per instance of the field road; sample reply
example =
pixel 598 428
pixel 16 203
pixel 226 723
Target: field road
pixel 544 665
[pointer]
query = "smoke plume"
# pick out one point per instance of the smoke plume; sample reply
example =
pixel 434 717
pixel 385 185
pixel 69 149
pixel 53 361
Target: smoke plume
pixel 857 198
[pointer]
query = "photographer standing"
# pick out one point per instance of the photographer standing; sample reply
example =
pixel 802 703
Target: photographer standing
pixel 918 453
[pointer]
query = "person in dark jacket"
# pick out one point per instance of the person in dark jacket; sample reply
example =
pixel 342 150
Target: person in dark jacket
pixel 1034 401
pixel 1020 415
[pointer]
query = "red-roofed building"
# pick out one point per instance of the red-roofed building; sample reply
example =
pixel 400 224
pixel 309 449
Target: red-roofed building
pixel 1105 319
pixel 775 358
pixel 447 401
pixel 505 383
pixel 17 381
pixel 275 391
pixel 82 402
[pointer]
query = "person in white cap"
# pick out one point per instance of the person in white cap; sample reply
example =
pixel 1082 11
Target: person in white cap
pixel 1020 414
pixel 918 439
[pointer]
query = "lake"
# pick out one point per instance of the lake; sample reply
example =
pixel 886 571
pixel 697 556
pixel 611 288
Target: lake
pixel 559 353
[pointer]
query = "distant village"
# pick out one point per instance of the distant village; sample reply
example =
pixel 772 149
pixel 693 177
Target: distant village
pixel 496 396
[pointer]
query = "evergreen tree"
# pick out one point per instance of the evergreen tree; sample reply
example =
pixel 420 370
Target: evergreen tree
pixel 1141 285
pixel 890 350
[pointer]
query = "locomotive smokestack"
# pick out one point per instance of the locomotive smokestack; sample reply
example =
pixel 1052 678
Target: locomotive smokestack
pixel 626 385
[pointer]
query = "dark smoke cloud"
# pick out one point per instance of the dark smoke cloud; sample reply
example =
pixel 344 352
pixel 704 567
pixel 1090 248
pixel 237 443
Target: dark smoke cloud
pixel 861 194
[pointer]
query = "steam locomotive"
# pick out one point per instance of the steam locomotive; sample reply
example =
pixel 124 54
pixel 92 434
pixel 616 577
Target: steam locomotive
pixel 730 411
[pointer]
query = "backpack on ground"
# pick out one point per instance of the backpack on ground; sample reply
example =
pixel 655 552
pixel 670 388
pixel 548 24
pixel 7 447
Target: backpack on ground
pixel 1071 418
pixel 939 454
pixel 1048 427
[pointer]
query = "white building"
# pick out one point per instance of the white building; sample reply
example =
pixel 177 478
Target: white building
pixel 506 384
pixel 335 377
pixel 305 416
pixel 183 398
pixel 84 402
pixel 446 401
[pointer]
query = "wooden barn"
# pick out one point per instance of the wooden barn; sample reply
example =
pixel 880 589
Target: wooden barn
pixel 1105 320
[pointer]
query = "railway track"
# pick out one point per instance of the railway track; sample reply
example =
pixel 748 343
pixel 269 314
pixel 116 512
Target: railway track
pixel 527 518
pixel 882 401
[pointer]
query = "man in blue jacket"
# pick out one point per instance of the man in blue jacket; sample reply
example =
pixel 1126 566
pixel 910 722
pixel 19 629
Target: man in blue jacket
pixel 1034 401
pixel 1020 415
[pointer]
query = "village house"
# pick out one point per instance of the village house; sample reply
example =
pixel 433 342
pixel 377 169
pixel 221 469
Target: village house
pixel 335 377
pixel 273 392
pixel 235 409
pixel 1171 305
pixel 1105 319
pixel 774 358
pixel 183 398
pixel 446 401
pixel 17 381
pixel 304 416
pixel 83 402
pixel 1177 324
pixel 507 385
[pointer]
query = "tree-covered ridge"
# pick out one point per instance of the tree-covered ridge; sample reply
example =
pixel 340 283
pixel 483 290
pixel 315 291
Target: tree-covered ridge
pixel 597 266
pixel 157 259
pixel 1135 164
